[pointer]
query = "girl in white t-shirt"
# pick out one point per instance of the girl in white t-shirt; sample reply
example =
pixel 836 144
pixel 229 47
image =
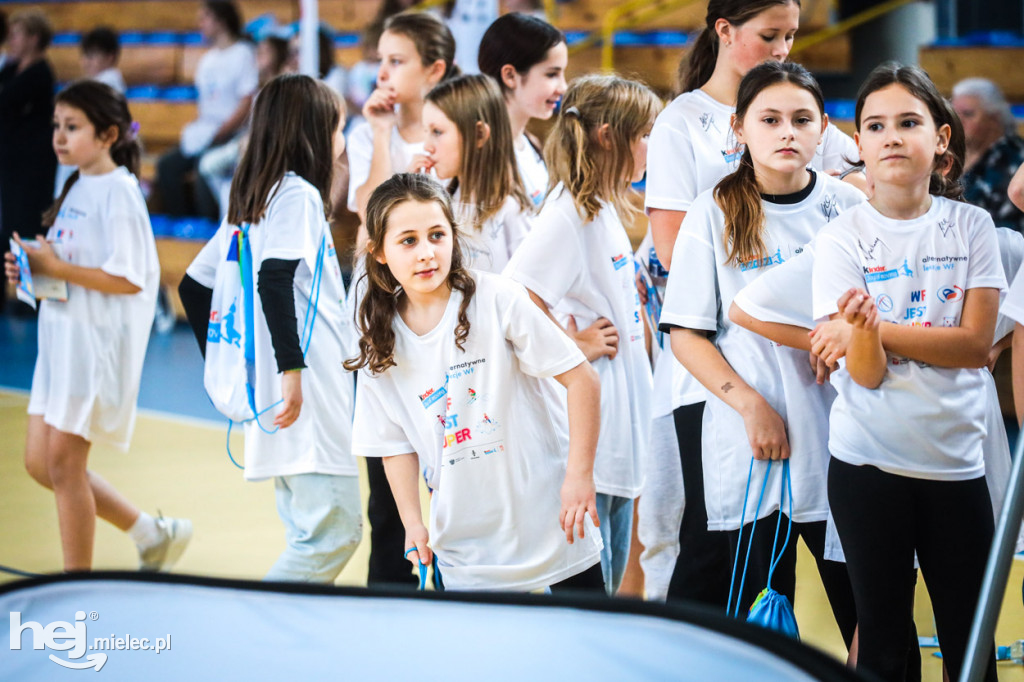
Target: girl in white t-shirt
pixel 91 345
pixel 692 148
pixel 578 262
pixel 417 52
pixel 281 190
pixel 469 141
pixel 454 365
pixel 763 398
pixel 527 57
pixel 907 425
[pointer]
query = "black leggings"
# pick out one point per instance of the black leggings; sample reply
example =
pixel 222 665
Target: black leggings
pixel 833 574
pixel 387 534
pixel 702 567
pixel 882 519
pixel 589 581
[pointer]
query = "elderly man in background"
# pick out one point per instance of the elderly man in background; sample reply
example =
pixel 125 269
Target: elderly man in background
pixel 994 150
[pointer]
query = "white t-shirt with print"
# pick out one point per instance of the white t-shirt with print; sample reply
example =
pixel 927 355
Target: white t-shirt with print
pixel 223 77
pixel 1011 253
pixel 360 153
pixel 488 446
pixel 586 270
pixel 532 170
pixel 91 347
pixel 922 421
pixel 318 442
pixel 700 290
pixel 491 248
pixel 692 147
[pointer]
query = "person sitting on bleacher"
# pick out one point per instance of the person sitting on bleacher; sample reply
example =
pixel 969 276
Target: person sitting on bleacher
pixel 101 50
pixel 226 80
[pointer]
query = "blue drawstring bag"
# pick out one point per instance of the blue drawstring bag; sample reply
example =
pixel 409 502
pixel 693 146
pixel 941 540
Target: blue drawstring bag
pixel 770 609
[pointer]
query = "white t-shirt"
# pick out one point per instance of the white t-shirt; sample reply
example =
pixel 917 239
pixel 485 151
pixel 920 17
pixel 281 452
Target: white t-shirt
pixel 532 170
pixel 586 270
pixel 1011 253
pixel 491 248
pixel 700 289
pixel 318 442
pixel 488 446
pixel 223 77
pixel 91 347
pixel 112 77
pixel 360 153
pixel 692 147
pixel 922 421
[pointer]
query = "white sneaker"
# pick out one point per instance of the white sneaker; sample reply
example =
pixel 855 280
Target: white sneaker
pixel 163 555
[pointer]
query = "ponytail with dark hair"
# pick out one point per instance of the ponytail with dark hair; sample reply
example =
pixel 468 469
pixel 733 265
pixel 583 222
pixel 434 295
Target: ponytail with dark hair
pixel 105 108
pixel 739 193
pixel 949 165
pixel 379 306
pixel 696 68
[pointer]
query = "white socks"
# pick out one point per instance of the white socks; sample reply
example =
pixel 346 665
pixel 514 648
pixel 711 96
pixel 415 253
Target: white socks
pixel 144 532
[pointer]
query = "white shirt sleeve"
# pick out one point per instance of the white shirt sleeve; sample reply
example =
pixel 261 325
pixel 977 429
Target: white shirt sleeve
pixel 543 350
pixel 691 293
pixel 360 152
pixel 671 168
pixel 375 432
pixel 782 295
pixel 836 269
pixel 204 267
pixel 291 224
pixel 128 234
pixel 836 148
pixel 1013 304
pixel 550 260
pixel 984 269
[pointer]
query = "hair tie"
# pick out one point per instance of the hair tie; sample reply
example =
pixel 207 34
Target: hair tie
pixel 572 111
pixel 133 131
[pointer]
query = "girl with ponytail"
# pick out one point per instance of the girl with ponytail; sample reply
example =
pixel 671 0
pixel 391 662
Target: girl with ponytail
pixel 578 261
pixel 91 344
pixel 763 400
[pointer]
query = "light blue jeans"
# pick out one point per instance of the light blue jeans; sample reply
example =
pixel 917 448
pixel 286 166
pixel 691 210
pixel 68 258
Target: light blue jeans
pixel 616 515
pixel 323 521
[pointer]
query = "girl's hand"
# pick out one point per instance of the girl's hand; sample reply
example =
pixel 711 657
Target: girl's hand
pixel 379 110
pixel 421 163
pixel 11 268
pixel 766 431
pixel 291 395
pixel 579 496
pixel 821 369
pixel 858 309
pixel 42 260
pixel 597 340
pixel 419 538
pixel 830 339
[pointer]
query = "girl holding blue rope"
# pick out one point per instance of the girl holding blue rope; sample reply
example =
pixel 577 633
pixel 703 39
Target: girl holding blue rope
pixel 302 396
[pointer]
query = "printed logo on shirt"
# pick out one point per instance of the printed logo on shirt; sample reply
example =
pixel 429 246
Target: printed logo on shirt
pixel 732 155
pixel 828 207
pixel 946 225
pixel 331 252
pixel 950 294
pixel 432 395
pixel 881 273
pixel 930 263
pixel 914 312
pixel 619 261
pixel 654 265
pixel 884 303
pixel 536 197
pixel 71 213
pixel 462 369
pixel 949 322
pixel 869 251
pixel 755 263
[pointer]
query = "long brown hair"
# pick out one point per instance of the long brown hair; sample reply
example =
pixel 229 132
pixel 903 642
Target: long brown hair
pixel 293 126
pixel 739 194
pixel 696 68
pixel 488 173
pixel 948 166
pixel 105 108
pixel 593 172
pixel 380 302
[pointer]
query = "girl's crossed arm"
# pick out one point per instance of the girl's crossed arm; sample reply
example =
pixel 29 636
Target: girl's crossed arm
pixel 45 261
pixel 403 472
pixel 865 358
pixel 579 496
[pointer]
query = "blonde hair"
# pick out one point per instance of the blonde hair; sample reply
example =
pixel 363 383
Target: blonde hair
pixel 595 170
pixel 487 173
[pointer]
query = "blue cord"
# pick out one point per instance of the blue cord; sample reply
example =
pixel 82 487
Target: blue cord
pixel 739 543
pixel 787 485
pixel 750 540
pixel 15 571
pixel 422 566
